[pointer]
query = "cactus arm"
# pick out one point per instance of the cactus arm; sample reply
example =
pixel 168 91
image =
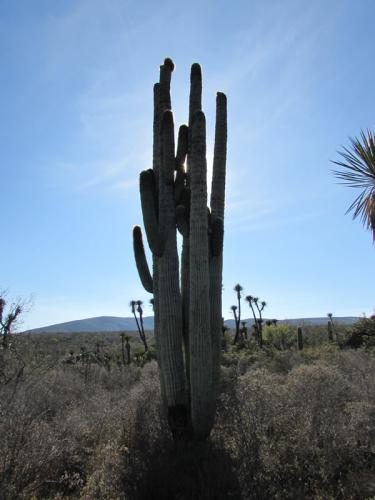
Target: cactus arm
pixel 166 70
pixel 195 99
pixel 155 232
pixel 181 219
pixel 217 210
pixel 185 296
pixel 217 237
pixel 167 152
pixel 170 306
pixel 179 185
pixel 155 273
pixel 141 261
pixel 195 104
pixel 220 158
pixel 162 101
pixel 156 131
pixel 182 145
pixel 202 413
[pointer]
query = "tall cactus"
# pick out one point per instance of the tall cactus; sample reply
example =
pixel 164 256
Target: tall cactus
pixel 187 296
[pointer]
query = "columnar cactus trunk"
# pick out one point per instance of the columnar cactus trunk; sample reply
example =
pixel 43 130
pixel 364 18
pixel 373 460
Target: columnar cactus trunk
pixel 299 339
pixel 330 331
pixel 187 297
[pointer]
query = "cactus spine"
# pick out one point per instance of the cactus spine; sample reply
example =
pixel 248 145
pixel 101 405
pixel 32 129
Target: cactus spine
pixel 187 297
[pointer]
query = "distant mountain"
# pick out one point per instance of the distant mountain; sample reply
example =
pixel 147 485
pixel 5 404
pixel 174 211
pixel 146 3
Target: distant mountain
pixel 118 324
pixel 99 324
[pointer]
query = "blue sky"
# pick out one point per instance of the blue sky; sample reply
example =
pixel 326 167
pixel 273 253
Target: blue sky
pixel 76 130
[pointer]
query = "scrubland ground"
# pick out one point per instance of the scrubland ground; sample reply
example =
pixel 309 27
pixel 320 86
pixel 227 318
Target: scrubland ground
pixel 290 424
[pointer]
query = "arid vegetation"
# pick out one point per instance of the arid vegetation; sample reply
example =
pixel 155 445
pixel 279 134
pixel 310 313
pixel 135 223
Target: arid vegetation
pixel 78 422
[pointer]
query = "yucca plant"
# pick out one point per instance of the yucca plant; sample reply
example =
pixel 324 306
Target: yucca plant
pixel 236 322
pixel 136 307
pixel 250 299
pixel 237 317
pixel 331 328
pixel 258 322
pixel 358 171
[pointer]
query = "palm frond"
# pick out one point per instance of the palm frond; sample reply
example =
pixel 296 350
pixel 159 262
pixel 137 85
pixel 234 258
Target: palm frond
pixel 358 171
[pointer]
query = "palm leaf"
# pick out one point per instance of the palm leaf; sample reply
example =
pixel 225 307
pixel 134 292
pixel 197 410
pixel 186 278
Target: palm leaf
pixel 357 170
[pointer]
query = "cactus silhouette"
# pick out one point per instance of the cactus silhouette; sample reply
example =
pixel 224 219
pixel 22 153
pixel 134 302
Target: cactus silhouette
pixel 299 339
pixel 128 349
pixel 244 330
pixel 187 297
pixel 122 336
pixel 330 331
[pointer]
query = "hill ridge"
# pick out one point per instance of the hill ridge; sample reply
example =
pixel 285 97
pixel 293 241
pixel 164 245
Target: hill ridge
pixel 119 323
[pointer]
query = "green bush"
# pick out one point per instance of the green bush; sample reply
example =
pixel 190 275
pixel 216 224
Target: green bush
pixel 307 434
pixel 280 336
pixel 363 333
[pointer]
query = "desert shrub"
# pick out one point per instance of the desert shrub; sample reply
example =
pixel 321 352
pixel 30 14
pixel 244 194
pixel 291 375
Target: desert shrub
pixel 290 424
pixel 280 336
pixel 282 362
pixel 363 333
pixel 56 427
pixel 359 368
pixel 300 435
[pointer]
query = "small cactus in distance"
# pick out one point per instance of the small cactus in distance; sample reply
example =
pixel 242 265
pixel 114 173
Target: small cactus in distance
pixel 299 338
pixel 244 330
pixel 331 328
pixel 330 331
pixel 124 338
pixel 128 349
